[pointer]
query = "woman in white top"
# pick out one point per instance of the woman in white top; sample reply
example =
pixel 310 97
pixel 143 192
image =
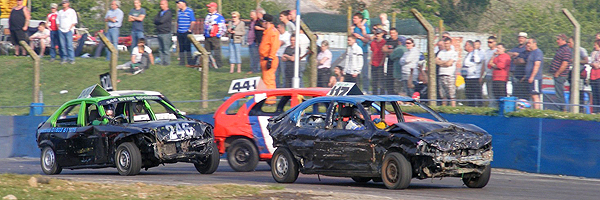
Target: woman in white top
pixel 409 63
pixel 324 68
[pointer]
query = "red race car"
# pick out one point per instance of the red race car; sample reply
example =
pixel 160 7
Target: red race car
pixel 240 123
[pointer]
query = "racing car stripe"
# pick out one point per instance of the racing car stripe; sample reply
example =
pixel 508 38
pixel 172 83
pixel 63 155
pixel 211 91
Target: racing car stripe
pixel 258 135
pixel 263 122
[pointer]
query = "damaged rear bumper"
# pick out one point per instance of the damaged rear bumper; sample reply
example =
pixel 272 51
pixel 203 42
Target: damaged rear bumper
pixel 185 150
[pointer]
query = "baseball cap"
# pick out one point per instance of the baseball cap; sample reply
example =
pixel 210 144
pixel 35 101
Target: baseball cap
pixel 211 4
pixel 181 1
pixel 53 5
pixel 378 31
pixel 562 36
pixel 268 18
pixel 522 34
pixel 402 39
pixel 65 1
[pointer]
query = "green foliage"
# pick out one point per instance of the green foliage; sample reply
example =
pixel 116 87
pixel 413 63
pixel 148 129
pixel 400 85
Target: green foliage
pixel 430 9
pixel 462 15
pixel 272 8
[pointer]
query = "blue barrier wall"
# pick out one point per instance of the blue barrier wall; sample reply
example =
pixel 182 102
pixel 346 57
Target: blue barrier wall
pixel 548 146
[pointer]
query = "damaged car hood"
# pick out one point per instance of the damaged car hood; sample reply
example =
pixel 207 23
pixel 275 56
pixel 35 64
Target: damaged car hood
pixel 445 136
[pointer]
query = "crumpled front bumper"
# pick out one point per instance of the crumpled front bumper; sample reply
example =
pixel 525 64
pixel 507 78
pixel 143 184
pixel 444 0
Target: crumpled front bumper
pixel 185 150
pixel 456 163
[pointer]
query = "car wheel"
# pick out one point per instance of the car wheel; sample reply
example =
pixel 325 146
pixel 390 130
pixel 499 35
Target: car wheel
pixel 48 161
pixel 361 179
pixel 396 171
pixel 242 155
pixel 128 159
pixel 284 166
pixel 479 181
pixel 212 162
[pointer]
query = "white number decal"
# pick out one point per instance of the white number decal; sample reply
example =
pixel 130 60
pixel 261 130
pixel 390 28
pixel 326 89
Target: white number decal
pixel 180 131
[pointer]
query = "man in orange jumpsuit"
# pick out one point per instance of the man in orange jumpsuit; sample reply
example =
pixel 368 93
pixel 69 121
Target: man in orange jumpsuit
pixel 268 49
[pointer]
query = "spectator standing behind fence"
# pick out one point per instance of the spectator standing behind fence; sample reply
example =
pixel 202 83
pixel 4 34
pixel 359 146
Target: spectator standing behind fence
pixel 214 28
pixel 136 17
pixel 268 53
pixel 67 19
pixel 533 72
pixel 409 62
pixel 447 73
pixel 519 56
pixel 377 60
pixel 236 30
pixel 390 44
pixel 18 22
pixel 324 68
pixel 284 17
pixel 500 65
pixel 487 73
pixel 354 60
pixel 284 39
pixel 361 33
pixel 560 67
pixel 385 23
pixel 40 39
pixel 472 72
pixel 595 76
pixel 288 62
pixel 252 44
pixel 396 55
pixel 114 19
pixel 51 23
pixel 163 30
pixel 185 17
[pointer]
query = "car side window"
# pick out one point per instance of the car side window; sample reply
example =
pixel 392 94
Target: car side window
pixel 92 115
pixel 68 118
pixel 314 116
pixel 237 104
pixel 161 111
pixel 140 112
pixel 272 106
pixel 347 116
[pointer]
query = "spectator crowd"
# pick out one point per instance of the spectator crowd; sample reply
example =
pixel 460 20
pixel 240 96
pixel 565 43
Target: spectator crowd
pixel 376 58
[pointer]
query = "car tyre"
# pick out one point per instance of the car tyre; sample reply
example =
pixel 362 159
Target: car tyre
pixel 479 181
pixel 128 159
pixel 48 161
pixel 361 179
pixel 284 166
pixel 212 162
pixel 396 171
pixel 242 156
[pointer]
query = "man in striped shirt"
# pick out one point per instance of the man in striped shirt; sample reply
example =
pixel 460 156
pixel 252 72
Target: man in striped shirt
pixel 185 17
pixel 560 67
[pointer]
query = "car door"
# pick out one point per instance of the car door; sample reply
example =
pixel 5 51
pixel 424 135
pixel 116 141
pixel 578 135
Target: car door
pixel 338 147
pixel 70 135
pixel 309 121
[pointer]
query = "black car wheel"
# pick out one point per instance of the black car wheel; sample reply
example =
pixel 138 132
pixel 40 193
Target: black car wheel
pixel 361 179
pixel 284 167
pixel 48 161
pixel 396 171
pixel 479 181
pixel 212 162
pixel 242 155
pixel 128 159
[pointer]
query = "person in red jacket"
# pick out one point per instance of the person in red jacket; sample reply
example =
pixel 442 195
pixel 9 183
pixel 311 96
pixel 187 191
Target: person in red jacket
pixel 377 60
pixel 268 53
pixel 595 76
pixel 500 63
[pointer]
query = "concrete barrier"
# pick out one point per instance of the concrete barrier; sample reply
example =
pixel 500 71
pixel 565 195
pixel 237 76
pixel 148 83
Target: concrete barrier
pixel 548 146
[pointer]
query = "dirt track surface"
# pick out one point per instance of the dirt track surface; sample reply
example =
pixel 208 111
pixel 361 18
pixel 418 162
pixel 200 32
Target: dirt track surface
pixel 504 184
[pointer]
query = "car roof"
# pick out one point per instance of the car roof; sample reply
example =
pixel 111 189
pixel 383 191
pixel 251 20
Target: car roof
pixel 101 98
pixel 133 92
pixel 283 90
pixel 362 98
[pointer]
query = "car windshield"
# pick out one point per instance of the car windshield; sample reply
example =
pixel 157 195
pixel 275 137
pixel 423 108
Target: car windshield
pixel 415 111
pixel 140 108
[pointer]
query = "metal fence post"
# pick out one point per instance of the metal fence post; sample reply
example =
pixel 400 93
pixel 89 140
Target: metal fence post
pixel 349 20
pixel 431 83
pixel 113 60
pixel 576 63
pixel 205 67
